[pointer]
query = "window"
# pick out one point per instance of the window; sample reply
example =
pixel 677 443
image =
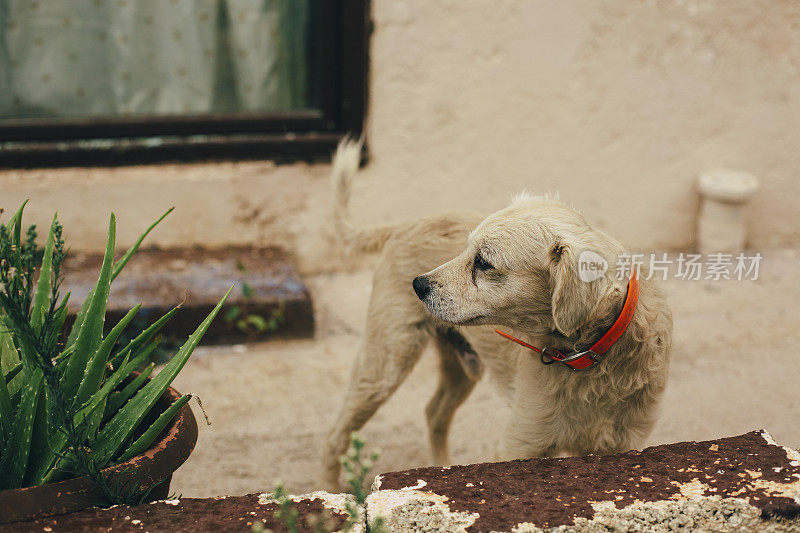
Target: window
pixel 135 81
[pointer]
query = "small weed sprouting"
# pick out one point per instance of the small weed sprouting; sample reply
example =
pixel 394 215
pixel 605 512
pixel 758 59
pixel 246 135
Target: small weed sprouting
pixel 286 512
pixel 356 469
pixel 251 323
pixel 288 515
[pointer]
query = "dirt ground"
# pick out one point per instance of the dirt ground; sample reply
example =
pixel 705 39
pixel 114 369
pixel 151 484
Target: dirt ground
pixel 735 367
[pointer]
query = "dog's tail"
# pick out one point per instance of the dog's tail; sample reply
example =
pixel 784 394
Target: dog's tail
pixel 345 167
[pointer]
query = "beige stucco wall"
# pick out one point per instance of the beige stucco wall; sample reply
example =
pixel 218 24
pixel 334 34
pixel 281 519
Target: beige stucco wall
pixel 616 104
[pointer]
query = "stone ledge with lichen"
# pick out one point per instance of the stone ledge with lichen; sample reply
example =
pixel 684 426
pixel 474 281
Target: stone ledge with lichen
pixel 315 511
pixel 739 483
pixel 744 483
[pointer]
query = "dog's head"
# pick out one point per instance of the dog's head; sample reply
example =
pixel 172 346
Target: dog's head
pixel 523 268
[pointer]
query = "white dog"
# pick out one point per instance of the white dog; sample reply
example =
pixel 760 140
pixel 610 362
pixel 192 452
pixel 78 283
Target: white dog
pixel 517 269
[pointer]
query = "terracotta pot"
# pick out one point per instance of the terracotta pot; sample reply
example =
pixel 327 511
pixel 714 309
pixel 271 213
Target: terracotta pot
pixel 153 468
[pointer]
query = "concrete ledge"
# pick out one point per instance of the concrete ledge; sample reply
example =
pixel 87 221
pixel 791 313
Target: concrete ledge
pixel 744 483
pixel 161 279
pixel 734 484
pixel 232 513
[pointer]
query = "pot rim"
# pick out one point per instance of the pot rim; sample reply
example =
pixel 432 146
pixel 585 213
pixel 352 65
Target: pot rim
pixel 149 469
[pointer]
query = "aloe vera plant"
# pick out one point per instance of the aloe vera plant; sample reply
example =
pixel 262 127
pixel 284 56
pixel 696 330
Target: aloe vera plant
pixel 65 408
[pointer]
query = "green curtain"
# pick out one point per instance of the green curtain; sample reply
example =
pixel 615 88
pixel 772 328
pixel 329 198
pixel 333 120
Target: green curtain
pixel 62 58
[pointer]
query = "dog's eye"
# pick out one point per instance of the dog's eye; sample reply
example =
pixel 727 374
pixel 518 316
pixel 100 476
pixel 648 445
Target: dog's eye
pixel 481 263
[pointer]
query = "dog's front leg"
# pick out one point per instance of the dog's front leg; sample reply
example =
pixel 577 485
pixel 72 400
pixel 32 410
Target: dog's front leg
pixel 529 431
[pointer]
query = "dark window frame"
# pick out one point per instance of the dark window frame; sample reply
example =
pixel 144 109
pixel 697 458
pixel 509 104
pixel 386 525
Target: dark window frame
pixel 341 66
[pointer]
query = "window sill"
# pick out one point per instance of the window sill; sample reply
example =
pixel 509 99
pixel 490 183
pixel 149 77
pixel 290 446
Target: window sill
pixel 281 148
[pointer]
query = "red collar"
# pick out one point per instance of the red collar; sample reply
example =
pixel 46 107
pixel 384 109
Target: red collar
pixel 582 359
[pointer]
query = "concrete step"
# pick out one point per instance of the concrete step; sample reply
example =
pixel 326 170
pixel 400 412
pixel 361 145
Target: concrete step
pixel 270 298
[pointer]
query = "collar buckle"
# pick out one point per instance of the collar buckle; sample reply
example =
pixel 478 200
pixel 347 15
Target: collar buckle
pixel 575 360
pixel 574 356
pixel 580 360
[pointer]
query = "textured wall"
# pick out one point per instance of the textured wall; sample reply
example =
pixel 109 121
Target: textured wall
pixel 616 104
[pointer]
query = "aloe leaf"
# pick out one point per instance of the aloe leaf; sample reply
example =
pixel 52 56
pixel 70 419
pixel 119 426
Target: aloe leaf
pixel 28 356
pixel 97 364
pixel 39 437
pixel 76 326
pixel 17 448
pixel 41 299
pixel 91 332
pixel 117 398
pixel 124 423
pixel 96 369
pixel 128 365
pixel 64 355
pixel 46 470
pixel 143 443
pixel 144 337
pixel 15 223
pixel 79 318
pixel 14 227
pixel 61 313
pixel 118 266
pixel 11 374
pixel 6 409
pixel 15 396
pixel 107 389
pixel 9 360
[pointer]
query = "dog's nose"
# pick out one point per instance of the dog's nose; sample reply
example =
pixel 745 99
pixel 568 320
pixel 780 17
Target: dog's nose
pixel 421 286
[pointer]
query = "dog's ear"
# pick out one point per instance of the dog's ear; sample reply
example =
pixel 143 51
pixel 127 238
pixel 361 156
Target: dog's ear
pixel 572 298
